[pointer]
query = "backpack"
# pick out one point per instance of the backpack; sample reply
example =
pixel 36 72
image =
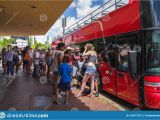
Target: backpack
pixel 27 57
pixel 83 69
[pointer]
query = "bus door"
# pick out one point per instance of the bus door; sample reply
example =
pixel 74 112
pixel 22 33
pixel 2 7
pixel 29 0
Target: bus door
pixel 127 87
pixel 108 68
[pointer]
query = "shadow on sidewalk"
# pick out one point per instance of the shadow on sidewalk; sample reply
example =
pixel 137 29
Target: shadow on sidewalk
pixel 26 93
pixel 74 104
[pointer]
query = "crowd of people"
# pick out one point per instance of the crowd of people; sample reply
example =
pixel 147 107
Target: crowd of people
pixel 64 67
pixel 10 61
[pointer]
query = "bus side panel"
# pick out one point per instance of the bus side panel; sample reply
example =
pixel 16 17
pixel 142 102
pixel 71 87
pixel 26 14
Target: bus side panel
pixel 127 89
pixel 123 20
pixel 108 79
pixel 152 100
pixel 152 91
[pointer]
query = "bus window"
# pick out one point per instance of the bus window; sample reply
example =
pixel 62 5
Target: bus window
pixel 151 14
pixel 125 44
pixel 112 54
pixel 101 50
pixel 153 51
pixel 123 57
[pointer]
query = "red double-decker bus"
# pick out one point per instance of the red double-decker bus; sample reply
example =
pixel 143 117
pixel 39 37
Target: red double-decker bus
pixel 127 41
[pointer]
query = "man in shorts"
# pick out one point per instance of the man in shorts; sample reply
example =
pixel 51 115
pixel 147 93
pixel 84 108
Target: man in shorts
pixel 56 61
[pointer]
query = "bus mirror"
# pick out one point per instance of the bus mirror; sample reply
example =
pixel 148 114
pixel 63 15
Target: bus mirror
pixel 132 63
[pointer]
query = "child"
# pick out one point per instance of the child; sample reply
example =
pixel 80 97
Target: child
pixel 80 72
pixel 65 81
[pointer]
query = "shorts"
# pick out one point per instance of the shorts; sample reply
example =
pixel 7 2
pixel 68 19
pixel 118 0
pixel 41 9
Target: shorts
pixel 74 71
pixel 80 78
pixel 58 77
pixel 91 70
pixel 24 62
pixel 27 62
pixel 94 78
pixel 64 86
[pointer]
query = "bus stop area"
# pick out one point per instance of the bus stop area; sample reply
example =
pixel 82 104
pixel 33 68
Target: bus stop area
pixel 26 93
pixel 108 60
pixel 25 18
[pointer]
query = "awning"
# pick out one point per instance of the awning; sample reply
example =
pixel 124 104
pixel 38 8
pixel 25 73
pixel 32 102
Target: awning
pixel 29 17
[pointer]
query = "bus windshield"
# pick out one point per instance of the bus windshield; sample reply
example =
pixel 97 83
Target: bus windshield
pixel 151 14
pixel 156 6
pixel 153 51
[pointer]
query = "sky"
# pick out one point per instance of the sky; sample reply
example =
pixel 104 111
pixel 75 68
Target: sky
pixel 77 10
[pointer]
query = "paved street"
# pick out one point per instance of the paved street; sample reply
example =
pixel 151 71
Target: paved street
pixel 26 93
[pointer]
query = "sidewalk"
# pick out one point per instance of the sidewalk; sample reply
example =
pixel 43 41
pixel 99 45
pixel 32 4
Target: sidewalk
pixel 3 83
pixel 26 93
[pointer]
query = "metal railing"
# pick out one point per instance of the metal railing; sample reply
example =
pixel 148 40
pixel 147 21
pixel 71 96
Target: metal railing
pixel 103 10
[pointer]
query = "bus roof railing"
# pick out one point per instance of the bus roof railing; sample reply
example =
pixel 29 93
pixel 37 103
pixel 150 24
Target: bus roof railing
pixel 93 16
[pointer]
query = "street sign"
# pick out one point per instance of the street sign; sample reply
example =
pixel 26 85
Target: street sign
pixel 64 22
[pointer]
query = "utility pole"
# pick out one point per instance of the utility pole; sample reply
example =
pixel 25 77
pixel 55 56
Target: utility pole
pixel 64 23
pixel 47 41
pixel 34 38
pixel 116 4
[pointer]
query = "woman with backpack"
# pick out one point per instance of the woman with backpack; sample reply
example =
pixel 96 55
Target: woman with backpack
pixel 28 60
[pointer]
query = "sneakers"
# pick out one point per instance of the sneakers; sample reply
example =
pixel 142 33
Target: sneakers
pixel 12 77
pixel 8 77
pixel 78 95
pixel 97 94
pixel 90 95
pixel 66 103
pixel 56 102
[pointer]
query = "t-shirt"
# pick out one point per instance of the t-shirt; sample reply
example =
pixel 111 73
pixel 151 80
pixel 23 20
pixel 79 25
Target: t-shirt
pixel 76 58
pixel 65 71
pixel 70 59
pixel 9 56
pixel 80 64
pixel 36 58
pixel 42 58
pixel 48 58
